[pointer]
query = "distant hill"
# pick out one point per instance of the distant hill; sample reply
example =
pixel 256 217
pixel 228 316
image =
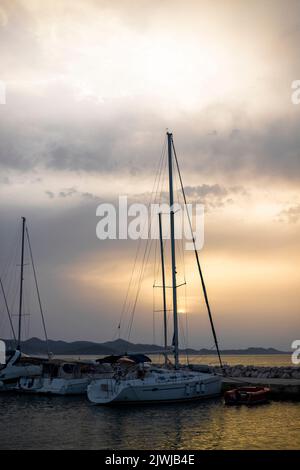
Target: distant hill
pixel 37 346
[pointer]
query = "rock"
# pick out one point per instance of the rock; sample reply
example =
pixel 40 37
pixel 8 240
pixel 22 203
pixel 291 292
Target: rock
pixel 236 373
pixel 296 375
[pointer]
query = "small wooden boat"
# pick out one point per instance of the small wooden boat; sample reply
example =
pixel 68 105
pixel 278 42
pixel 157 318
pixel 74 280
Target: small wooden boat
pixel 247 396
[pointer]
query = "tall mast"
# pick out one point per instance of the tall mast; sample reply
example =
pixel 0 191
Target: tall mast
pixel 21 284
pixel 173 254
pixel 163 286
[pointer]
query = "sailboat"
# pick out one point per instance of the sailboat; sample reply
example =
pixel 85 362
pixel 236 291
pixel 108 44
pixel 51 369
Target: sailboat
pixel 143 382
pixel 18 364
pixel 44 375
pixel 61 377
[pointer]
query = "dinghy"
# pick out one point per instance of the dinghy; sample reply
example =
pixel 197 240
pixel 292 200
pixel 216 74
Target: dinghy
pixel 247 396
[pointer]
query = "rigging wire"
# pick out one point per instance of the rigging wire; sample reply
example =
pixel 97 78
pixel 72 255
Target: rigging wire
pixel 38 293
pixel 157 262
pixel 148 245
pixel 146 252
pixel 155 270
pixel 144 263
pixel 9 274
pixel 186 321
pixel 199 266
pixel 132 283
pixel 153 316
pixel 7 310
pixel 181 265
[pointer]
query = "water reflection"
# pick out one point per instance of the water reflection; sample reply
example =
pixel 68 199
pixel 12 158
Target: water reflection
pixel 164 426
pixel 68 423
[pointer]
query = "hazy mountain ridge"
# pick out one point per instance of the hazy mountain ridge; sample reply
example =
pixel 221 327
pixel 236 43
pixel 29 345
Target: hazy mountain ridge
pixel 120 346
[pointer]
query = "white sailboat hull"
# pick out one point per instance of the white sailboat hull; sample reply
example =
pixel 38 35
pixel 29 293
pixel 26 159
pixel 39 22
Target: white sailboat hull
pixel 55 386
pixel 13 371
pixel 177 387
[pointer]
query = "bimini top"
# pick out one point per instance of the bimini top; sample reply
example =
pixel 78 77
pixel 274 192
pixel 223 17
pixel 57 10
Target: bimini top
pixel 136 358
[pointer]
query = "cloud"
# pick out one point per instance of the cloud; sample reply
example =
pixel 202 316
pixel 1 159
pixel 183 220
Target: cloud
pixel 67 193
pixel 213 196
pixel 70 192
pixel 64 117
pixel 268 149
pixel 20 50
pixel 290 215
pixel 50 194
pixel 92 138
pixel 4 180
pixel 77 272
pixel 91 88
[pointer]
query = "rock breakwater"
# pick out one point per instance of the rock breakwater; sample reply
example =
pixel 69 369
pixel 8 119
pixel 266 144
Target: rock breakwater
pixel 260 372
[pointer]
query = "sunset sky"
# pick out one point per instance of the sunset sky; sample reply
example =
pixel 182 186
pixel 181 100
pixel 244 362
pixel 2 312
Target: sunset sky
pixel 91 87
